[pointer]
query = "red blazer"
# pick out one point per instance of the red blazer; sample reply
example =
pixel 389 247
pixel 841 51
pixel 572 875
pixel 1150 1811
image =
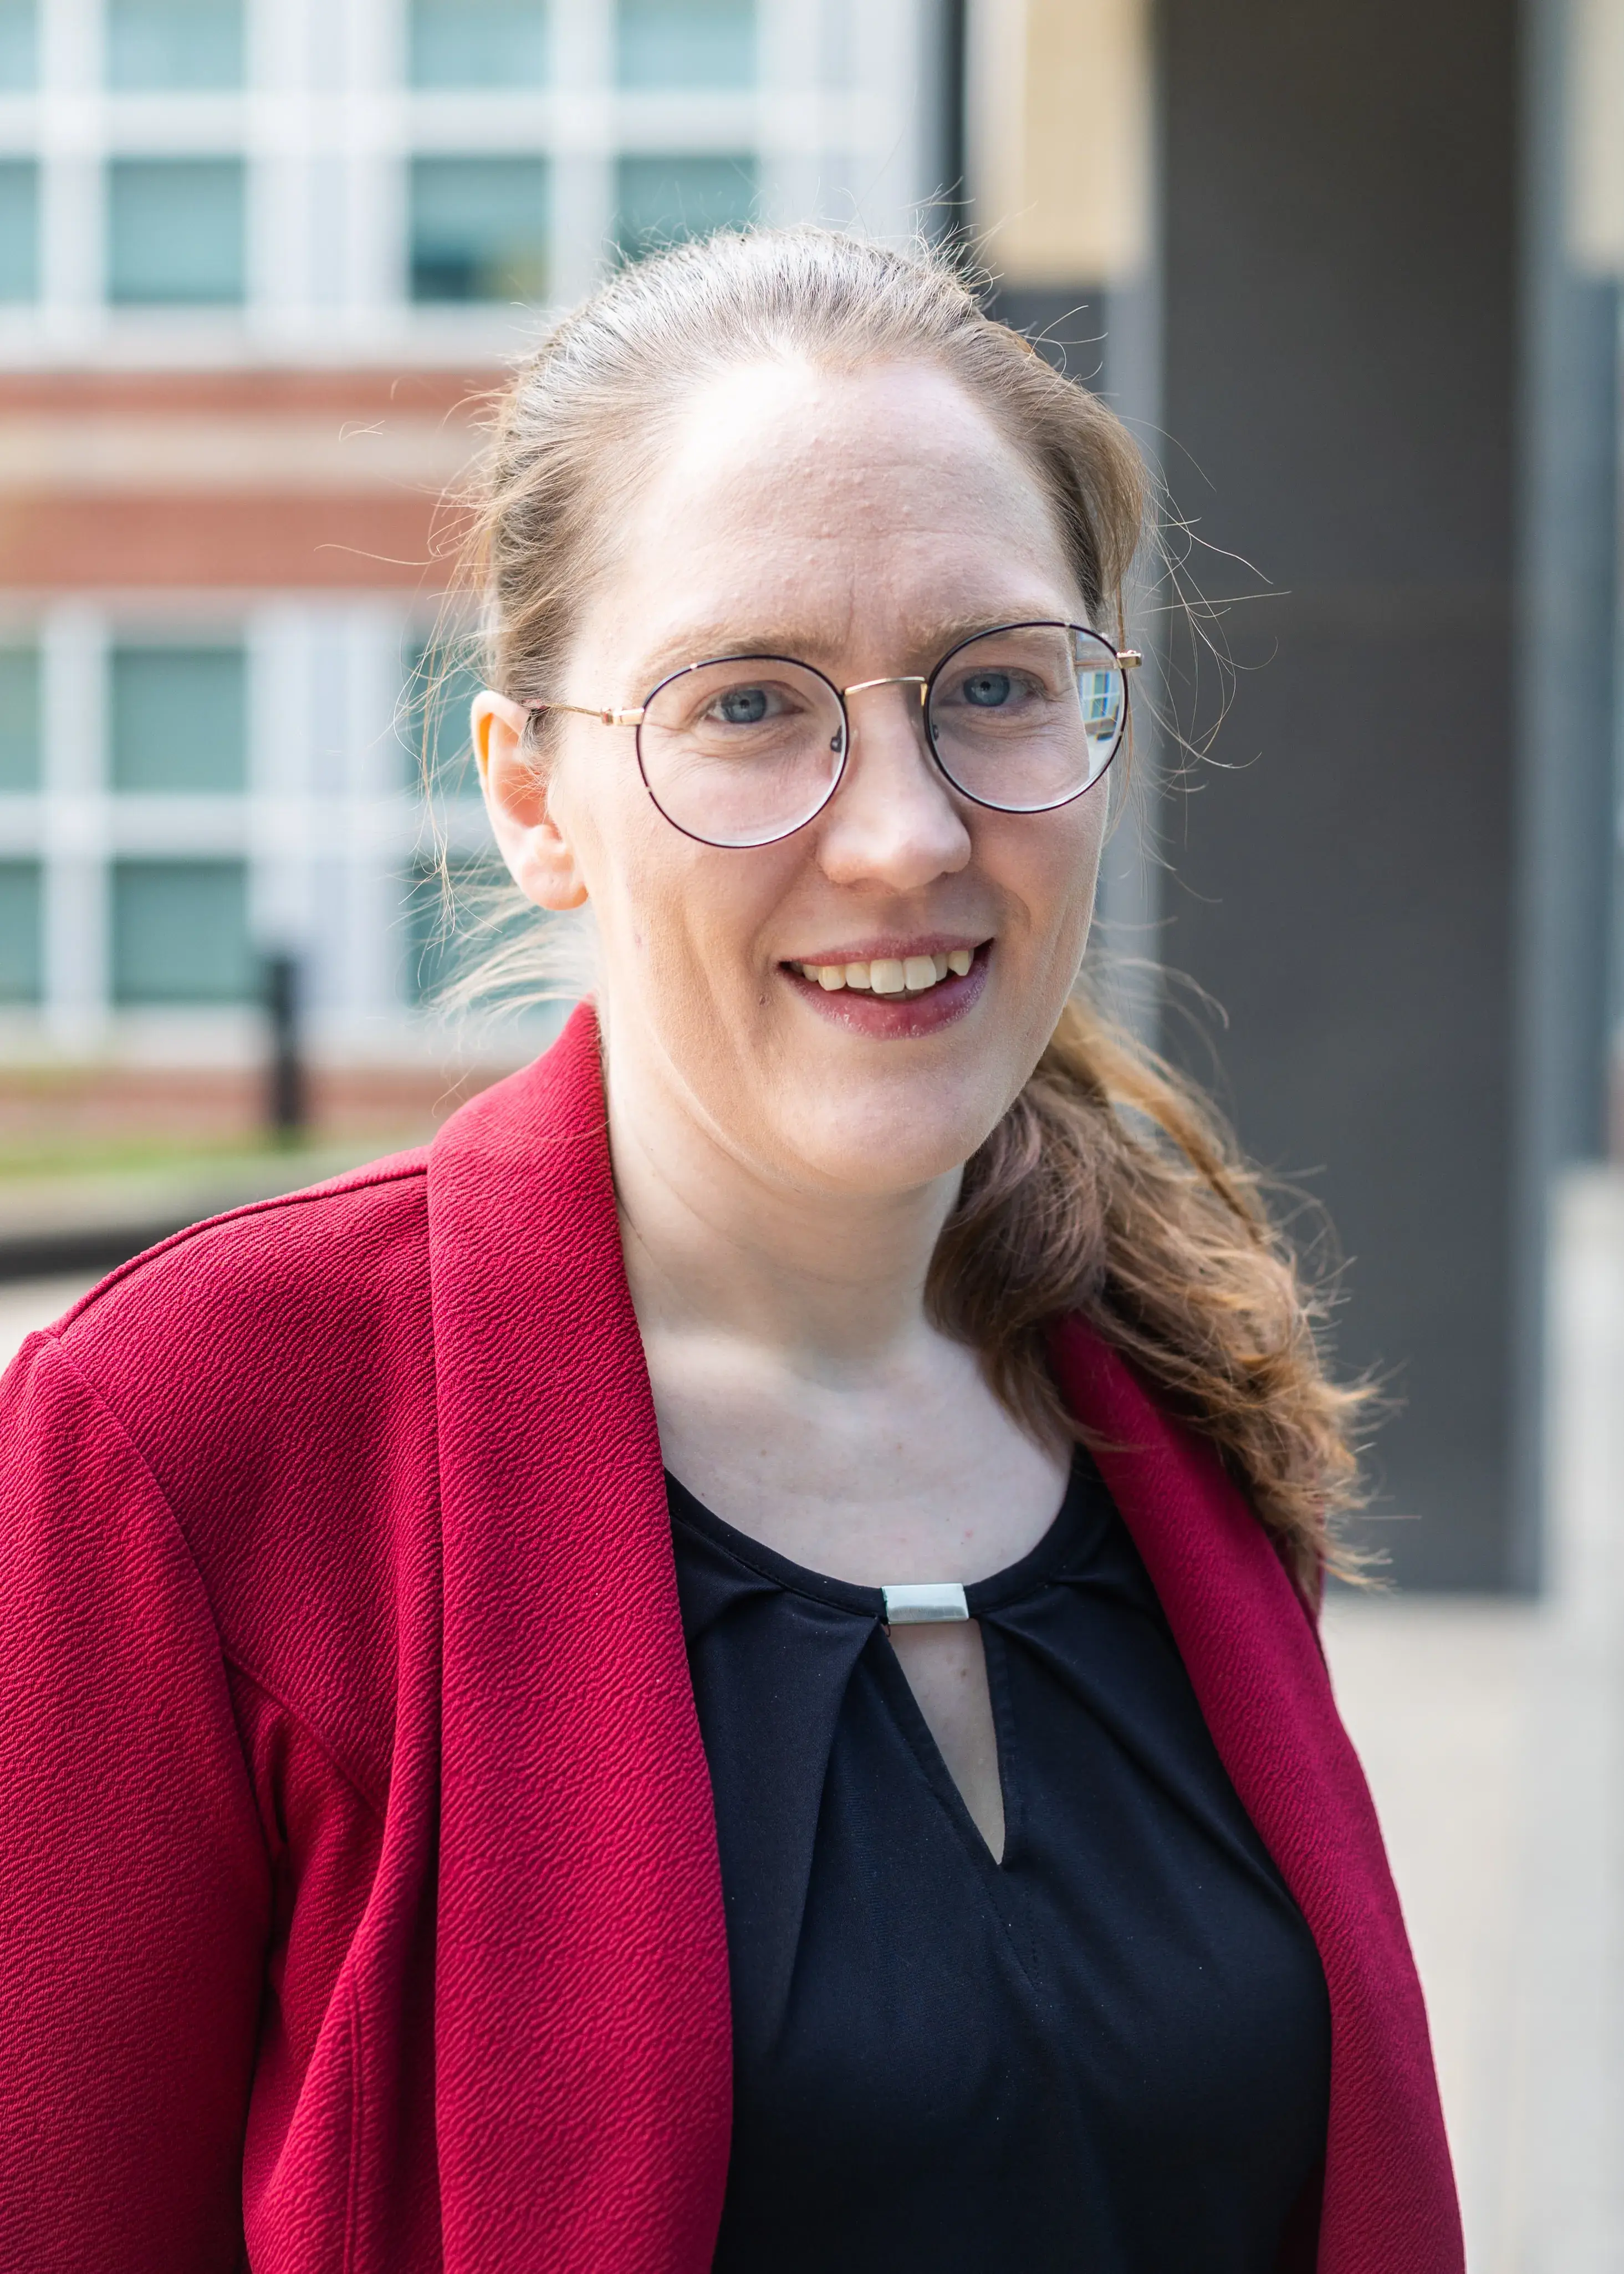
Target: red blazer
pixel 358 1884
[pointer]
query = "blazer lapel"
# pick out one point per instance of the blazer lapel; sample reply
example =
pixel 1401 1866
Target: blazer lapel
pixel 581 2027
pixel 1254 1658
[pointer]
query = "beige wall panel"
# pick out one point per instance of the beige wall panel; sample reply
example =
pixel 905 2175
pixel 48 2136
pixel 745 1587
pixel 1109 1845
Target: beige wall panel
pixel 1596 136
pixel 1059 135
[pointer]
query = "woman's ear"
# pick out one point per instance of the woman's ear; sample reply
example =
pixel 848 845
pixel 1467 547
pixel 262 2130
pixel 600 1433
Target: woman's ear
pixel 534 845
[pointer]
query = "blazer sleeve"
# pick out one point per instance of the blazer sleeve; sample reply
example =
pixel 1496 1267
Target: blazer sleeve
pixel 135 1891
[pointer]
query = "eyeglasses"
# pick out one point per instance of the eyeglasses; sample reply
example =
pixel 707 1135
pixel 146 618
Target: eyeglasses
pixel 745 750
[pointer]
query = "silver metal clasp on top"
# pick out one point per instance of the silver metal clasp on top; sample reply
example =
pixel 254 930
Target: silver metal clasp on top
pixel 930 1604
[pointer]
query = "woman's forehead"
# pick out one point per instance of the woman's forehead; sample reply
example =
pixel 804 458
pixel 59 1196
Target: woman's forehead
pixel 773 526
pixel 805 445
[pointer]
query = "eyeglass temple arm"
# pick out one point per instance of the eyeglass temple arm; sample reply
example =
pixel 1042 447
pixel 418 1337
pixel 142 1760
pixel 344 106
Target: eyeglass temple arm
pixel 632 718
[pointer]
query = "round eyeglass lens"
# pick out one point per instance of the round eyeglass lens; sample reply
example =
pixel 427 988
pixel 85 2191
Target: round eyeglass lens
pixel 1028 719
pixel 742 751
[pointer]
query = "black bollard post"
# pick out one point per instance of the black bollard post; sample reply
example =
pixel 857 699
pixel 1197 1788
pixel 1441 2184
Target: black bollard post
pixel 287 1100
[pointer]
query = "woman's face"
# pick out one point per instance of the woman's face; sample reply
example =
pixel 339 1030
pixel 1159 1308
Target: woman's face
pixel 862 522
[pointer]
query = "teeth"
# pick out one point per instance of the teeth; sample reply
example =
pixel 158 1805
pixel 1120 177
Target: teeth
pixel 890 974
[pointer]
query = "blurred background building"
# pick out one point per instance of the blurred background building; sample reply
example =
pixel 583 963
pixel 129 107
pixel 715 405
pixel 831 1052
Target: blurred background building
pixel 260 262
pixel 1351 273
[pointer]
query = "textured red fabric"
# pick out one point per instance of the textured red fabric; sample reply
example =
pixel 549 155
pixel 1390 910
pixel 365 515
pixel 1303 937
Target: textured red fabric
pixel 359 1907
pixel 1254 1660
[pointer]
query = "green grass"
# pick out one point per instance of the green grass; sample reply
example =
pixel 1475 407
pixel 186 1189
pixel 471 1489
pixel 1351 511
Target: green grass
pixel 100 1155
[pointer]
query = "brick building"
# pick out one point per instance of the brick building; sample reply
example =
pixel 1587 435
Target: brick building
pixel 259 260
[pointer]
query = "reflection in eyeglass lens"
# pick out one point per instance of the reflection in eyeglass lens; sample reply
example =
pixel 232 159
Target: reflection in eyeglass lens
pixel 1024 719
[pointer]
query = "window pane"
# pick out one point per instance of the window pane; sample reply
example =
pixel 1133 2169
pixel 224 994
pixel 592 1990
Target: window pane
pixel 174 43
pixel 686 43
pixel 178 718
pixel 437 689
pixel 174 232
pixel 19 228
pixel 19 62
pixel 19 931
pixel 20 718
pixel 479 229
pixel 661 200
pixel 180 932
pixel 479 43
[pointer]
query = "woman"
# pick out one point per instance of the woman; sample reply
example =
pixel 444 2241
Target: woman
pixel 721 1669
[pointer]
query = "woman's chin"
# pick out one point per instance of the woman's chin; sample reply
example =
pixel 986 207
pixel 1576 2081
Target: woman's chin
pixel 875 1150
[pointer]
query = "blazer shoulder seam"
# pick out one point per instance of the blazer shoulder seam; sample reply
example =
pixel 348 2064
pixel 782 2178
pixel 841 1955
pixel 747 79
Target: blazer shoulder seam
pixel 228 1656
pixel 325 1745
pixel 105 1411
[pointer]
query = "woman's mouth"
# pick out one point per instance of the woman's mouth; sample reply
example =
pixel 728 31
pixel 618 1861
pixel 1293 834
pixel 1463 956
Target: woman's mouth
pixel 894 997
pixel 907 976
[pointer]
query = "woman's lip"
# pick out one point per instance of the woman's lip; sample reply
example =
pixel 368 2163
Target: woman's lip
pixel 897 1018
pixel 894 948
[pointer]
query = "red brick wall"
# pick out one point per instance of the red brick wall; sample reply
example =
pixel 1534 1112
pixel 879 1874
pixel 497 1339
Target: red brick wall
pixel 241 479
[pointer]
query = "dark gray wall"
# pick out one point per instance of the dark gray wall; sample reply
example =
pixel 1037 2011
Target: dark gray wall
pixel 1341 355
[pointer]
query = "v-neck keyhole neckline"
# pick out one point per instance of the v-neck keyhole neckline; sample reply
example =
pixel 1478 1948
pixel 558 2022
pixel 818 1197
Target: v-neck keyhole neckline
pixel 927 1733
pixel 973 1747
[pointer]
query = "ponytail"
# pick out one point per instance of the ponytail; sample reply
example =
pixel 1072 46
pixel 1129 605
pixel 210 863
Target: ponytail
pixel 1110 1190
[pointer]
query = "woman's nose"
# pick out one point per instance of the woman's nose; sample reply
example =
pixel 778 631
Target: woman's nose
pixel 893 821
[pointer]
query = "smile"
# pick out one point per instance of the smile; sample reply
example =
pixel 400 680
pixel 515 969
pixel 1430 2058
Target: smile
pixel 894 998
pixel 907 976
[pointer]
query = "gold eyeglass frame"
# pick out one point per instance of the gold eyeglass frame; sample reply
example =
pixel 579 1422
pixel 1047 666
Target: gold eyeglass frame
pixel 1125 659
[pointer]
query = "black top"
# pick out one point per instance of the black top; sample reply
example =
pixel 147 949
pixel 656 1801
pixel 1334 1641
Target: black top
pixel 1110 2053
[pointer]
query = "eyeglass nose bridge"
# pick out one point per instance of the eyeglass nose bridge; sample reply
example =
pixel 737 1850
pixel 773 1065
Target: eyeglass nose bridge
pixel 896 679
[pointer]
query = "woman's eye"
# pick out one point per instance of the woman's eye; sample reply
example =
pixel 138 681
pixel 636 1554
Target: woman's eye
pixel 1009 693
pixel 741 706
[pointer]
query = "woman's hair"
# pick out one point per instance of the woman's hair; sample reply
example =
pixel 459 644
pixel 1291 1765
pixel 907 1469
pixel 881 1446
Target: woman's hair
pixel 1107 1188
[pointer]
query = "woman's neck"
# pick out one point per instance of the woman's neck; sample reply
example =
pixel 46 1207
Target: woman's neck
pixel 832 1282
pixel 800 1388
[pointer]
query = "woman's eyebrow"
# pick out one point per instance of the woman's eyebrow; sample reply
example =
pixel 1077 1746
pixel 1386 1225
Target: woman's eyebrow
pixel 697 644
pixel 921 643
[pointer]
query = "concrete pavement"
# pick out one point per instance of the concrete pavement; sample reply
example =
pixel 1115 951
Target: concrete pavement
pixel 1492 1733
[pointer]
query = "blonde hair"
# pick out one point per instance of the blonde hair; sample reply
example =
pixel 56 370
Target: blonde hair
pixel 1109 1188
